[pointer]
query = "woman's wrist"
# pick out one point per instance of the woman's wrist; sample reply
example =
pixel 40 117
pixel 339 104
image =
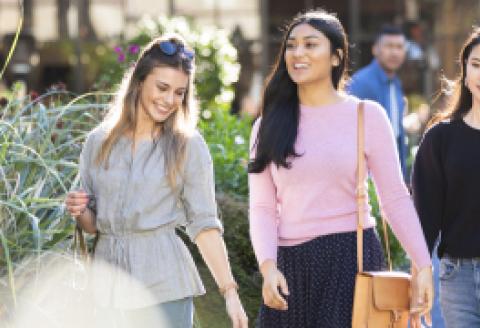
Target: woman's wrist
pixel 415 271
pixel 86 221
pixel 231 293
pixel 83 216
pixel 228 288
pixel 424 268
pixel 267 266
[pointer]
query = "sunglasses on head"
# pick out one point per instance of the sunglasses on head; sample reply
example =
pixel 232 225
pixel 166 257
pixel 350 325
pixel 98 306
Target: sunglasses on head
pixel 170 48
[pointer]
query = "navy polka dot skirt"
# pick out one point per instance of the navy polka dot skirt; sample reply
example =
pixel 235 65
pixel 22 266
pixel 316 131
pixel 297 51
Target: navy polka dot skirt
pixel 321 276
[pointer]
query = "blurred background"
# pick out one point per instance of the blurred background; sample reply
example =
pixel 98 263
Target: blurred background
pixel 61 39
pixel 62 61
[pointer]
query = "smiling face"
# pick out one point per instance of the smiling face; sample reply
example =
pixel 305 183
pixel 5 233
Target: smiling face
pixel 472 76
pixel 308 55
pixel 162 93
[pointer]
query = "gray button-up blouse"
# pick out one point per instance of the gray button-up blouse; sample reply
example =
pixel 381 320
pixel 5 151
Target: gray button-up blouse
pixel 137 213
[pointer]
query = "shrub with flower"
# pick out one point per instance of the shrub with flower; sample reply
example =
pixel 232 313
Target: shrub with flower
pixel 127 55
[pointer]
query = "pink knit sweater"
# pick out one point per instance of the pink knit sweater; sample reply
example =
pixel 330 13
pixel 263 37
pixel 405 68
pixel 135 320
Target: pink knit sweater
pixel 316 196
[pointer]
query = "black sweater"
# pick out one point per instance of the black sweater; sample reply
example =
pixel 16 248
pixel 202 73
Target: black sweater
pixel 446 188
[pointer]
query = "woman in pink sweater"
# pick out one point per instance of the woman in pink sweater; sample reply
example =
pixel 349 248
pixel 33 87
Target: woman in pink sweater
pixel 302 178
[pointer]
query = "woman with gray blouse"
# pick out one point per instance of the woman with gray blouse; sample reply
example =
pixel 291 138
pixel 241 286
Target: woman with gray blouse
pixel 150 171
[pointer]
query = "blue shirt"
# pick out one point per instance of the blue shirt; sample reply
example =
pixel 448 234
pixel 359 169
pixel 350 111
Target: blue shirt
pixel 371 82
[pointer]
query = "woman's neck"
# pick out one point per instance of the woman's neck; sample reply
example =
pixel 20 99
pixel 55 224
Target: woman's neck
pixel 143 132
pixel 318 94
pixel 145 128
pixel 473 116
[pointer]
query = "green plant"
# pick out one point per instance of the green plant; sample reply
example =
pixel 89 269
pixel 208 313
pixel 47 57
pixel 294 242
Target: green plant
pixel 227 137
pixel 39 147
pixel 399 259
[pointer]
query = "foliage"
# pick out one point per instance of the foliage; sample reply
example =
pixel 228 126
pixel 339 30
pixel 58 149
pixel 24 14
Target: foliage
pixel 399 259
pixel 227 137
pixel 39 147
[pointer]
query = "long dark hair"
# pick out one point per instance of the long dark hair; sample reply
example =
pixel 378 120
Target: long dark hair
pixel 461 97
pixel 280 109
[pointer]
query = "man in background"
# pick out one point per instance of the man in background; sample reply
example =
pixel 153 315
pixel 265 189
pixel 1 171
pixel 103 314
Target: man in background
pixel 378 81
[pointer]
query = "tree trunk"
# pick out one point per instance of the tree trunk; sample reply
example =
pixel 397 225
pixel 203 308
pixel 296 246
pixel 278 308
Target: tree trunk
pixel 27 16
pixel 85 27
pixel 62 19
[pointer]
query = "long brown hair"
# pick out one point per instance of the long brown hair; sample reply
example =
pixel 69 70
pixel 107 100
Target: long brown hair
pixel 460 99
pixel 122 116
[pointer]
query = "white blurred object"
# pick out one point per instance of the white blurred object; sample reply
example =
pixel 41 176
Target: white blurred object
pixel 414 51
pixel 413 122
pixel 57 291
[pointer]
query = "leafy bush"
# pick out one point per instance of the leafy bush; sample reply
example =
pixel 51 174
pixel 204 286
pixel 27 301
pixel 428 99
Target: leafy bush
pixel 227 137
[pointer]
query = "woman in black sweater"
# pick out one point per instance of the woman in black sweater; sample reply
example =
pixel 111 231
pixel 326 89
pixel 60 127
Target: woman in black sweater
pixel 446 185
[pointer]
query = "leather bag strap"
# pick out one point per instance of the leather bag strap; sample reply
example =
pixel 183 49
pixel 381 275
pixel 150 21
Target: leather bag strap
pixel 362 191
pixel 79 244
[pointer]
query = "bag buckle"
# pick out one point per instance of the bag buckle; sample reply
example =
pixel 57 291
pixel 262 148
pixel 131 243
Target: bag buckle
pixel 395 317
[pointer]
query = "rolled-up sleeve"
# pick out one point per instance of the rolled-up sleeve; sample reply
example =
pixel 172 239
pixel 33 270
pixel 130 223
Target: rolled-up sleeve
pixel 198 192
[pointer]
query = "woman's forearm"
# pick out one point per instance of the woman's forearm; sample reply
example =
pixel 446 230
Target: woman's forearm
pixel 87 221
pixel 214 253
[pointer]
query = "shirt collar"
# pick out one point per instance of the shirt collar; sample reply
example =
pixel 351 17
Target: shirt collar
pixel 381 72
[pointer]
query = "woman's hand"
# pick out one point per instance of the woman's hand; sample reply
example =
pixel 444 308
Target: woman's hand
pixel 272 280
pixel 213 250
pixel 422 296
pixel 76 203
pixel 235 309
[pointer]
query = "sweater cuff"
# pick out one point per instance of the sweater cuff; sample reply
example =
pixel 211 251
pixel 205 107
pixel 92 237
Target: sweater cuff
pixel 265 252
pixel 423 262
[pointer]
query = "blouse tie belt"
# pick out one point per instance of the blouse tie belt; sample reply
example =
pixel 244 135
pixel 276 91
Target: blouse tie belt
pixel 117 243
